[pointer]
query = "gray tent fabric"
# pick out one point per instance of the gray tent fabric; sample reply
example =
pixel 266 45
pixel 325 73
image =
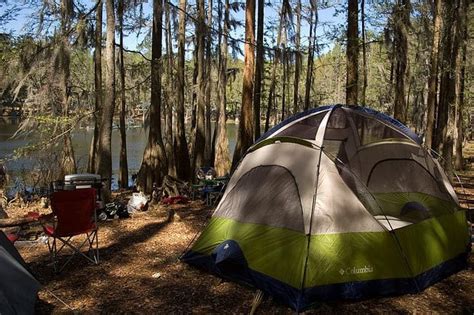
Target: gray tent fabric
pixel 18 288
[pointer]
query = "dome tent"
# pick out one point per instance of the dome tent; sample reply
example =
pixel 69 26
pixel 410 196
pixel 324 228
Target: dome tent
pixel 336 202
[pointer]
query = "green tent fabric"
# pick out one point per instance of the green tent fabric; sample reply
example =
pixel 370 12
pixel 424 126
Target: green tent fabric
pixel 336 202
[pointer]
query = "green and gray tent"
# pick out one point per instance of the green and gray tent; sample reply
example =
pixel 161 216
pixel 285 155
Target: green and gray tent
pixel 336 202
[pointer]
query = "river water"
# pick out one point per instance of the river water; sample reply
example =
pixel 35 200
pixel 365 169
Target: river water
pixel 81 138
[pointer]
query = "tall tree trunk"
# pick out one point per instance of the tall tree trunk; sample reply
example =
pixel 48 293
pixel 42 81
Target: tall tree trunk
pixel 283 82
pixel 352 53
pixel 200 141
pixel 208 138
pixel 460 86
pixel 259 67
pixel 170 99
pixel 182 153
pixel 246 123
pixel 104 154
pixel 402 21
pixel 311 49
pixel 364 53
pixel 154 165
pixel 433 77
pixel 296 83
pixel 123 171
pixel 68 160
pixel 222 158
pixel 91 166
pixel 447 93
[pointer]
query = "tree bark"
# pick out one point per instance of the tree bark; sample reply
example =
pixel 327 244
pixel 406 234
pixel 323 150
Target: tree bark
pixel 170 98
pixel 92 165
pixel 352 53
pixel 364 53
pixel 68 162
pixel 311 49
pixel 259 67
pixel 222 158
pixel 208 137
pixel 200 140
pixel 402 21
pixel 154 165
pixel 447 97
pixel 182 153
pixel 246 123
pixel 460 85
pixel 123 170
pixel 433 77
pixel 296 83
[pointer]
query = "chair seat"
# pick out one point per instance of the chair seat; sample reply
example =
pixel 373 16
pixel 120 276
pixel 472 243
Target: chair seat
pixel 51 231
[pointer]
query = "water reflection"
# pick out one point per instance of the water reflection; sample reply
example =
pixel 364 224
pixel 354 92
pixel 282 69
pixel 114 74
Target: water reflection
pixel 136 141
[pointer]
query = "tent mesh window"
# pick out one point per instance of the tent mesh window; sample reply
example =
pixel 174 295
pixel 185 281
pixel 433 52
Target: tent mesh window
pixel 265 195
pixel 372 130
pixel 305 129
pixel 407 190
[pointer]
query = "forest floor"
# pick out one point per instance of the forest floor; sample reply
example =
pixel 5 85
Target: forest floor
pixel 139 272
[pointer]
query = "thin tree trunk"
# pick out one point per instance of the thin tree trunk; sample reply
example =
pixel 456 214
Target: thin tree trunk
pixel 352 53
pixel 222 157
pixel 123 171
pixel 200 140
pixel 170 99
pixel 311 49
pixel 208 138
pixel 182 153
pixel 68 160
pixel 460 85
pixel 433 77
pixel 364 53
pixel 246 123
pixel 154 165
pixel 402 21
pixel 296 83
pixel 259 67
pixel 91 167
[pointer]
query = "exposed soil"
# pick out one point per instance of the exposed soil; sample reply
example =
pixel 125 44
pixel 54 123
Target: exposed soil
pixel 139 272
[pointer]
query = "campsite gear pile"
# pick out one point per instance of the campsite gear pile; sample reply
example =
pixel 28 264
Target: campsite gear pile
pixel 336 202
pixel 138 202
pixel 209 187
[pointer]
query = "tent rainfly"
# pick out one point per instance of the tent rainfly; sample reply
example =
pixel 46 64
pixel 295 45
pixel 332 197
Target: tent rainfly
pixel 335 203
pixel 18 288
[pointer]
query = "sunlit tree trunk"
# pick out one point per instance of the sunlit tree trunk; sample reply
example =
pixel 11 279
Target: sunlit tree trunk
pixel 92 163
pixel 222 158
pixel 123 171
pixel 199 138
pixel 154 165
pixel 246 128
pixel 352 53
pixel 433 77
pixel 104 154
pixel 182 153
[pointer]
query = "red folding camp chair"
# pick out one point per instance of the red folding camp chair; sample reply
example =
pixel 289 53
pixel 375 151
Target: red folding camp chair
pixel 75 214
